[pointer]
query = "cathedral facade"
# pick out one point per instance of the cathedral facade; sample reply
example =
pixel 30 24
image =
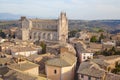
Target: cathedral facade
pixel 44 29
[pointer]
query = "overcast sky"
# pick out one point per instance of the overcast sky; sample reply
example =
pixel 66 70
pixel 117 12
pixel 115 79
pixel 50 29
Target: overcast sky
pixel 75 9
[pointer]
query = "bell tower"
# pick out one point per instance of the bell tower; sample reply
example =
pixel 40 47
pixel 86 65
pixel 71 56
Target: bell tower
pixel 25 28
pixel 63 27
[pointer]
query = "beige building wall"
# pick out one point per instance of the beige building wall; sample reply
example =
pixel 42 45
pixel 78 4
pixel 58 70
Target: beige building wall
pixel 86 56
pixel 25 34
pixel 68 73
pixel 62 73
pixel 34 71
pixel 50 71
pixel 25 29
pixel 25 53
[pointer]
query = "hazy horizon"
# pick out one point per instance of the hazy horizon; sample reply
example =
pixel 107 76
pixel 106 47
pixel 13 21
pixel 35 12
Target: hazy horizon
pixel 75 9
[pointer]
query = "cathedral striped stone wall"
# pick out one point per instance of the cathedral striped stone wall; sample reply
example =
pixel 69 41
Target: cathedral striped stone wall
pixel 44 29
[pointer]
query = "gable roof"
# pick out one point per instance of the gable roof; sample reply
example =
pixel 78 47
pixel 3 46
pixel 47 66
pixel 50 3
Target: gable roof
pixel 23 66
pixel 100 62
pixel 15 75
pixel 91 69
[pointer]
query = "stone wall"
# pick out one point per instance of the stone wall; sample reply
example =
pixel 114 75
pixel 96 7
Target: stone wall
pixel 43 35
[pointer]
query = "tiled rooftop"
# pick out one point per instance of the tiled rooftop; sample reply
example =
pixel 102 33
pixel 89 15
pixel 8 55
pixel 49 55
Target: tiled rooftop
pixel 15 75
pixel 91 69
pixel 100 62
pixel 65 59
pixel 21 49
pixel 4 60
pixel 111 76
pixel 110 57
pixel 23 66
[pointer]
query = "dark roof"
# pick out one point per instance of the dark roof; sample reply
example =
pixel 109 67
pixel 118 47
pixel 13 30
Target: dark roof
pixel 3 70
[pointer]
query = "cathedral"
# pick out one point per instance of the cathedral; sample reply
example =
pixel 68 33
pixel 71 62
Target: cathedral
pixel 44 29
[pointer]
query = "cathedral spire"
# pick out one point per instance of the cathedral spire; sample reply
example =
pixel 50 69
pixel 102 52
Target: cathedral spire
pixel 63 27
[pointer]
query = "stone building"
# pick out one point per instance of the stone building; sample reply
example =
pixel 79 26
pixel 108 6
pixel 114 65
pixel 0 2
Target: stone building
pixel 44 29
pixel 62 67
pixel 26 67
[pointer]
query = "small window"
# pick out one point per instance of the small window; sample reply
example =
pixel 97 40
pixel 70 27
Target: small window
pixel 84 57
pixel 0 64
pixel 89 78
pixel 6 64
pixel 55 71
pixel 82 76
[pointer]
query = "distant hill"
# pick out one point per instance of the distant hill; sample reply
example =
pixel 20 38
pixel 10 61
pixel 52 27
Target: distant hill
pixel 8 16
pixel 109 25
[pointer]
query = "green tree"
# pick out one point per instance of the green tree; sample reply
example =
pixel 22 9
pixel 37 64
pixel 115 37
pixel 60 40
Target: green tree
pixel 117 68
pixel 43 45
pixel 112 51
pixel 100 30
pixel 2 34
pixel 73 33
pixel 101 37
pixel 93 39
pixel 105 52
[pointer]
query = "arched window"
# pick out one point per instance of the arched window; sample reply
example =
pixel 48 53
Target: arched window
pixel 30 37
pixel 43 36
pixel 39 36
pixel 55 71
pixel 49 36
